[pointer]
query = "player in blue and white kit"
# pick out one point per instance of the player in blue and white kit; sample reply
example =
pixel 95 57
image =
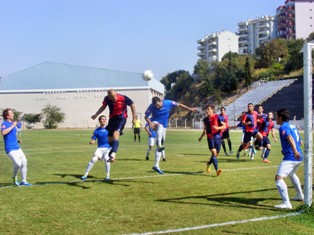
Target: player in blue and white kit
pixel 103 149
pixel 157 116
pixel 151 141
pixel 291 149
pixel 12 147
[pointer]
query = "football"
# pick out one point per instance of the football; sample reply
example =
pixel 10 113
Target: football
pixel 148 75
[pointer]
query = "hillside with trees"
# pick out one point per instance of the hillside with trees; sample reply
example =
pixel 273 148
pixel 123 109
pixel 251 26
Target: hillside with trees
pixel 215 82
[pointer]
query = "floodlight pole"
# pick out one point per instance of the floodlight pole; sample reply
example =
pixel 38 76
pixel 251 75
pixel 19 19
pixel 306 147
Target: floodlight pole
pixel 308 138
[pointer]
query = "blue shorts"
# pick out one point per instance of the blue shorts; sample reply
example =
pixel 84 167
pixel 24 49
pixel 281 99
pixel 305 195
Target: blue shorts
pixel 115 124
pixel 265 141
pixel 214 143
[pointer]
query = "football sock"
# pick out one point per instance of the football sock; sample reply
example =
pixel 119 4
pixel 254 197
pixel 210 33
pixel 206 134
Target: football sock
pixel 296 183
pixel 115 146
pixel 107 167
pixel 230 145
pixel 148 152
pixel 157 158
pixel 214 160
pixel 266 153
pixel 223 145
pixel 283 190
pixel 90 165
pixel 24 170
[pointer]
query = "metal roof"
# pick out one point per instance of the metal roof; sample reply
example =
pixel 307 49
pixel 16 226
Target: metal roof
pixel 50 76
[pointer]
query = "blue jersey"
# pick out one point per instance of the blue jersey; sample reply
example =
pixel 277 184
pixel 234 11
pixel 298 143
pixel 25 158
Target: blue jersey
pixel 284 131
pixel 160 115
pixel 10 139
pixel 101 134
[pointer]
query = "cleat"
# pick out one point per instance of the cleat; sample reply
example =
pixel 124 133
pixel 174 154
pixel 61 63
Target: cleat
pixel 231 152
pixel 158 170
pixel 238 155
pixel 164 159
pixel 266 160
pixel 161 149
pixel 207 167
pixel 25 184
pixel 219 172
pixel 111 159
pixel 284 206
pixel 147 158
pixel 107 178
pixel 15 181
pixel 84 177
pixel 298 197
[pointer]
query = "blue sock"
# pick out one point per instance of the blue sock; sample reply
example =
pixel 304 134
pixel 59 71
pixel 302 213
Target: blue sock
pixel 214 160
pixel 266 153
pixel 115 146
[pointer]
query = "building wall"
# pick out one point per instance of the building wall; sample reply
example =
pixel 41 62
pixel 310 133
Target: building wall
pixel 78 105
pixel 304 18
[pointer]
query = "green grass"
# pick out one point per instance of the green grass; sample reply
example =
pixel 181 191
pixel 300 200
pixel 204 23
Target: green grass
pixel 138 200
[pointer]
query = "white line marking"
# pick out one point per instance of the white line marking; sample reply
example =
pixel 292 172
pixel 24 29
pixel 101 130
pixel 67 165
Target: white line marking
pixel 219 224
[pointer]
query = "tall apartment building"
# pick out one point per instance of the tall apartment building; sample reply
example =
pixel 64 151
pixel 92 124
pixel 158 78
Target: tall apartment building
pixel 295 19
pixel 213 47
pixel 253 33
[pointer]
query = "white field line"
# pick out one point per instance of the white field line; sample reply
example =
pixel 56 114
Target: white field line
pixel 135 177
pixel 219 224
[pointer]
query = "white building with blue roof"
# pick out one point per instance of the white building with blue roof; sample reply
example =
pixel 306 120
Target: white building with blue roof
pixel 77 90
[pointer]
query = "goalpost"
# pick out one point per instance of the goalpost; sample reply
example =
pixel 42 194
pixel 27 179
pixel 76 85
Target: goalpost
pixel 308 137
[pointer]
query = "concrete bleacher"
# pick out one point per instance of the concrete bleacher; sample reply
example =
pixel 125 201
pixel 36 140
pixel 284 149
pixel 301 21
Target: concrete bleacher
pixel 290 97
pixel 258 94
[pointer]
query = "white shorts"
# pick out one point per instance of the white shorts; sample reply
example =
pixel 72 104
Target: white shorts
pixel 151 141
pixel 102 153
pixel 17 156
pixel 288 168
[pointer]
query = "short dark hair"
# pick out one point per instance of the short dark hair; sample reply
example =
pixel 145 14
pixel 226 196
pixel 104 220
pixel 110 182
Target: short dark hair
pixel 101 116
pixel 5 113
pixel 222 108
pixel 210 106
pixel 284 114
pixel 155 100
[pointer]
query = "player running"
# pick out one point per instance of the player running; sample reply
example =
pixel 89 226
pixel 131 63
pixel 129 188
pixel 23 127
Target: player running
pixel 212 129
pixel 225 133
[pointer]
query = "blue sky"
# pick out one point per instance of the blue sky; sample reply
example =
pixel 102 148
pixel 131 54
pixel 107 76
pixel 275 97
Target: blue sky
pixel 127 35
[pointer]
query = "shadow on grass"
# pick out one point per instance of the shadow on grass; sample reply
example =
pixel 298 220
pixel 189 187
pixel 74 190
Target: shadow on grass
pixel 232 199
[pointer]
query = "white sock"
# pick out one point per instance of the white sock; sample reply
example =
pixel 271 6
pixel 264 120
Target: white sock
pixel 283 190
pixel 91 165
pixel 296 183
pixel 148 152
pixel 163 154
pixel 107 166
pixel 157 158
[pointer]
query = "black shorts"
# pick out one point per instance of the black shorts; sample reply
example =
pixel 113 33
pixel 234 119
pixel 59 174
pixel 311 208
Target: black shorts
pixel 115 124
pixel 225 134
pixel 137 130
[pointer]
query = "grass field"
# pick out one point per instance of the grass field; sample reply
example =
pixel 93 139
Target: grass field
pixel 185 200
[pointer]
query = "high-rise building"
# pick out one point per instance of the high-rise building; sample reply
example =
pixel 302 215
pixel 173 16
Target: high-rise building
pixel 295 19
pixel 214 46
pixel 253 33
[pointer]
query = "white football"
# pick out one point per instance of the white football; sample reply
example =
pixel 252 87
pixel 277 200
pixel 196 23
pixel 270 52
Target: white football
pixel 148 75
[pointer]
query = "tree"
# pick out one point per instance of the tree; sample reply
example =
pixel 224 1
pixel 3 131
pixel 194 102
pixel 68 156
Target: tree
pixel 310 37
pixel 52 115
pixel 31 119
pixel 171 78
pixel 247 72
pixel 271 52
pixel 295 59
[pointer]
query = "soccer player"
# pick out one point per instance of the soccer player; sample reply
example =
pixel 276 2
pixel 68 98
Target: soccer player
pixel 249 120
pixel 157 115
pixel 137 129
pixel 266 126
pixel 103 148
pixel 117 118
pixel 212 128
pixel 291 149
pixel 225 133
pixel 12 147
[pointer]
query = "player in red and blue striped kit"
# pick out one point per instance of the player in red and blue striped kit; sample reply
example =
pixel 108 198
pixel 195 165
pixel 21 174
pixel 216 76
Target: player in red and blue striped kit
pixel 118 115
pixel 249 120
pixel 212 129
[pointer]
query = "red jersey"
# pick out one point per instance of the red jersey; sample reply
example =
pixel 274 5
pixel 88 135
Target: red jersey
pixel 209 122
pixel 252 117
pixel 117 109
